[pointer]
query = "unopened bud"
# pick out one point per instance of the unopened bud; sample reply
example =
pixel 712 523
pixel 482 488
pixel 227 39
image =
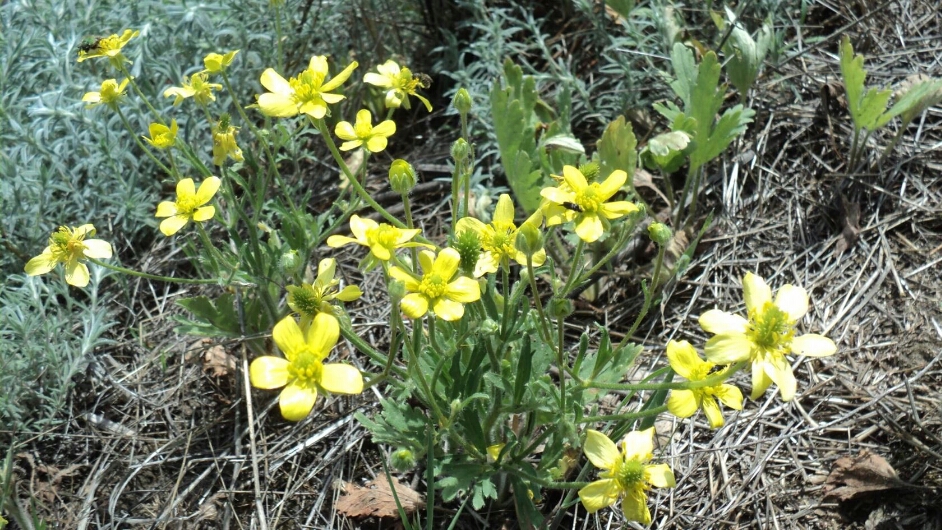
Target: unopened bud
pixel 468 245
pixel 590 170
pixel 401 176
pixel 290 262
pixel 462 101
pixel 529 239
pixel 660 233
pixel 460 150
pixel 397 289
pixel 402 460
pixel 559 308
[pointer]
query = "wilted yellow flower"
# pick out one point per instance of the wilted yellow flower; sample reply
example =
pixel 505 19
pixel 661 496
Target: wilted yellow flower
pixel 109 47
pixel 111 94
pixel 401 84
pixel 311 299
pixel 188 206
pixel 69 247
pixel 765 336
pixel 196 86
pixel 577 200
pixel 302 372
pixel 382 239
pixel 308 93
pixel 216 63
pixel 161 136
pixel 626 473
pixel 437 289
pixel 363 133
pixel 685 403
pixel 224 142
pixel 499 238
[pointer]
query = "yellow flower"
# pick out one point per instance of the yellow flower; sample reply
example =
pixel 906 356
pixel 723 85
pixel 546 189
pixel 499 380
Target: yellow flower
pixel 161 136
pixel 577 200
pixel 765 336
pixel 216 63
pixel 311 299
pixel 382 239
pixel 363 133
pixel 625 473
pixel 401 84
pixel 308 93
pixel 69 247
pixel 685 403
pixel 224 142
pixel 111 94
pixel 437 289
pixel 498 239
pixel 188 206
pixel 302 372
pixel 196 87
pixel 109 47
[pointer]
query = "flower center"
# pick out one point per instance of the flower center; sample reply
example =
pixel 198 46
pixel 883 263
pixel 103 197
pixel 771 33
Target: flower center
pixel 385 235
pixel 628 473
pixel 306 369
pixel 590 198
pixel 433 286
pixel 306 299
pixel 306 85
pixel 65 245
pixel 770 328
pixel 187 205
pixel 500 241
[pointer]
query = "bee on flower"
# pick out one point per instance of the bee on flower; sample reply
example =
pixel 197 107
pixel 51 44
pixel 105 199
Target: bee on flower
pixel 765 336
pixel 224 142
pixel 70 247
pixel 109 47
pixel 401 83
pixel 308 93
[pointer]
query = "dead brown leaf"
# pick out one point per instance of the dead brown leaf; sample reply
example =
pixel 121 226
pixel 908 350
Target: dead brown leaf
pixel 865 473
pixel 218 361
pixel 643 179
pixel 850 221
pixel 376 499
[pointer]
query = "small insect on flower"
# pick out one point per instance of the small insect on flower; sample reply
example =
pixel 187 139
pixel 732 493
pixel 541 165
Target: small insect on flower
pixel 572 206
pixel 89 44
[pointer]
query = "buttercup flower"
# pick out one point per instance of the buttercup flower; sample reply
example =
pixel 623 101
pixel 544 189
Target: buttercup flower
pixel 311 299
pixel 401 84
pixel 302 372
pixel 363 133
pixel 626 473
pixel 685 403
pixel 69 247
pixel 111 94
pixel 308 93
pixel 109 47
pixel 216 63
pixel 499 238
pixel 161 136
pixel 224 142
pixel 437 289
pixel 577 200
pixel 196 86
pixel 382 239
pixel 188 206
pixel 765 336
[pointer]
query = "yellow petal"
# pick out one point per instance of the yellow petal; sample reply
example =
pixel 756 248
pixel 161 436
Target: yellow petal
pixel 339 78
pixel 448 310
pixel 186 189
pixel 349 293
pixel 361 226
pixel 323 334
pixel 600 450
pixel 659 476
pixel 376 80
pixel 207 189
pixel 574 178
pixel 728 348
pixel 446 264
pixel 793 301
pixel 277 105
pixel 385 128
pixel 344 130
pixel 780 372
pixel 414 305
pixel 172 225
pixel 684 360
pixel 614 210
pixel 274 82
pixel 712 410
pixel 464 290
pixel 470 224
pixel 427 261
pixel 589 228
pixel 760 380
pixel 612 184
pixel 341 379
pixel 504 212
pixel 268 372
pixel 730 395
pixel 639 445
pixel 41 264
pixel 76 273
pixel 339 241
pixel 557 195
pixel 287 335
pixel 296 401
pixel 813 345
pixel 406 235
pixel 599 494
pixel 635 506
pixel 204 214
pixel 166 209
pixel 376 144
pixel 716 321
pixel 755 291
pixel 96 248
pixel 682 403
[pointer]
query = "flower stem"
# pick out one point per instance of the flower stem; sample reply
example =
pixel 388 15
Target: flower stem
pixel 139 274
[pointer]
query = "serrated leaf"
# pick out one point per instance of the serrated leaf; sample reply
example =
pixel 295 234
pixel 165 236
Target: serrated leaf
pixel 867 107
pixel 686 72
pixel 220 315
pixel 918 98
pixel 616 149
pixel 732 123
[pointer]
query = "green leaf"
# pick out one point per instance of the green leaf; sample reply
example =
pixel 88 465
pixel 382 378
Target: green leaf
pixel 732 123
pixel 622 7
pixel 918 98
pixel 867 107
pixel 744 54
pixel 686 72
pixel 524 365
pixel 213 319
pixel 616 149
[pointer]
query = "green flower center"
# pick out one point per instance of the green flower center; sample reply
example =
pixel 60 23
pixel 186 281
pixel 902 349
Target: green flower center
pixel 306 299
pixel 433 286
pixel 770 328
pixel 500 241
pixel 590 199
pixel 628 473
pixel 66 245
pixel 306 370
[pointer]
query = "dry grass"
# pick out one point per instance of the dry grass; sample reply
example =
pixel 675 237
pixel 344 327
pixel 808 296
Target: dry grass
pixel 157 440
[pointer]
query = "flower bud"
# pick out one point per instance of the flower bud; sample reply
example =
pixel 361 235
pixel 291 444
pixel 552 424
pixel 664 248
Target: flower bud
pixel 462 101
pixel 559 308
pixel 402 176
pixel 290 262
pixel 489 327
pixel 590 170
pixel 468 245
pixel 529 239
pixel 397 289
pixel 402 460
pixel 460 150
pixel 660 233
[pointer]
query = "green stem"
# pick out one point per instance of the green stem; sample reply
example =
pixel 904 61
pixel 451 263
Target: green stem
pixel 140 144
pixel 711 380
pixel 544 326
pixel 628 416
pixel 575 262
pixel 139 274
pixel 649 297
pixel 137 89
